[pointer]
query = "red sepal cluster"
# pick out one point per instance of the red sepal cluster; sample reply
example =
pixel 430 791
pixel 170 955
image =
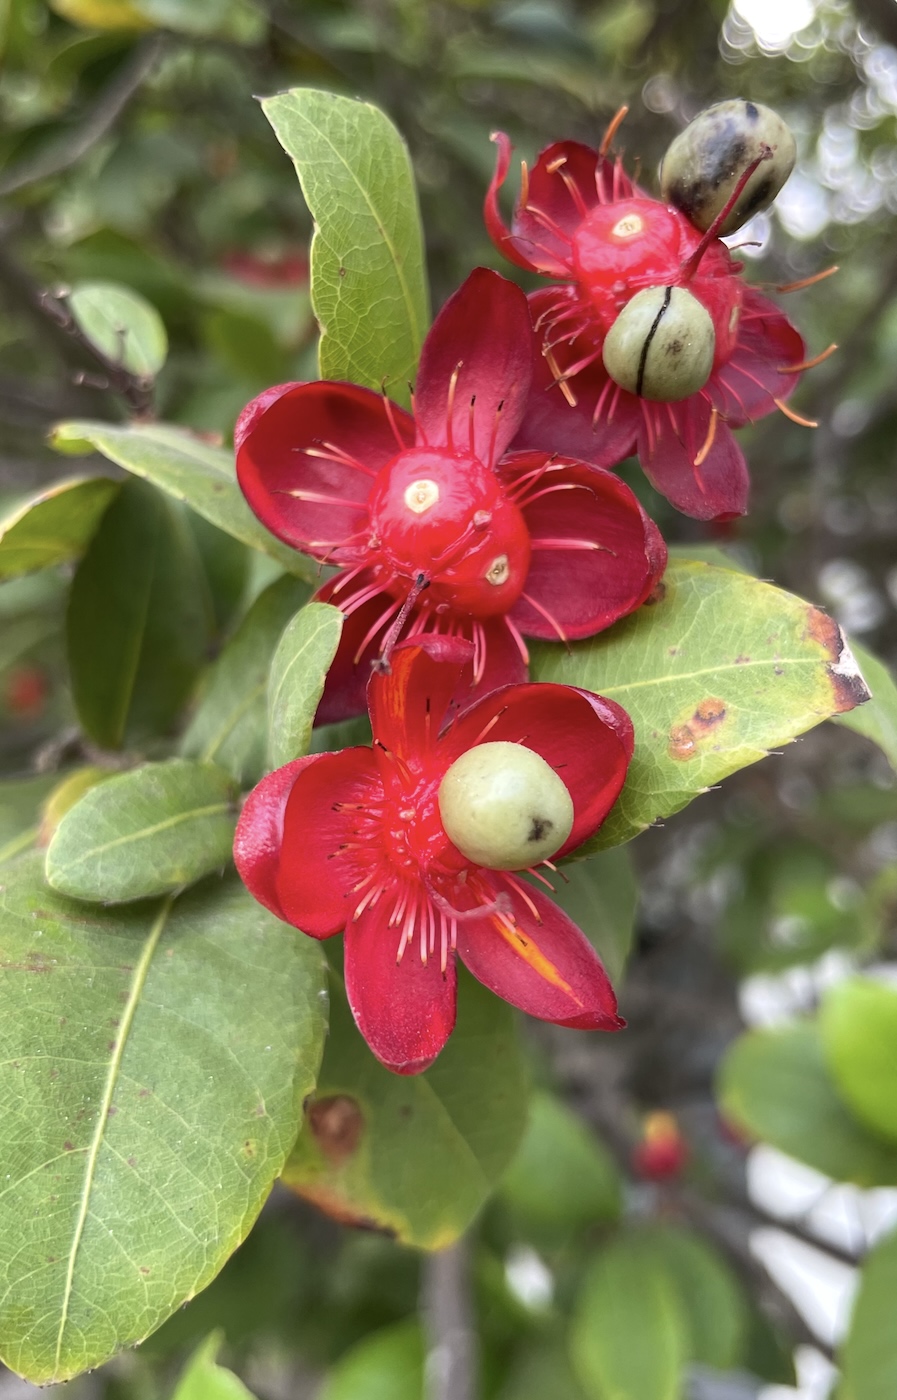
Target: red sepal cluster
pixel 437 528
pixel 354 840
pixel 580 218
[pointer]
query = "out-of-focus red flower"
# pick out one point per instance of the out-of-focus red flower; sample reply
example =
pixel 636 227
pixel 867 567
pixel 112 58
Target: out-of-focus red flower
pixel 25 691
pixel 662 1152
pixel 355 840
pixel 436 527
pixel 580 219
pixel 256 270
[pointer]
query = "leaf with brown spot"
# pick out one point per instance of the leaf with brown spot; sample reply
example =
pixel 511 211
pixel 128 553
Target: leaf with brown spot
pixel 719 671
pixel 414 1155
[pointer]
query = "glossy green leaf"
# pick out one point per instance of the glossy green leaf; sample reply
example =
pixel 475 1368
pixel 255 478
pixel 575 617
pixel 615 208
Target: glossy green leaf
pixel 709 1295
pixel 230 726
pixel 187 468
pixel 204 1379
pixel 139 621
pixel 629 1338
pixel 368 281
pixel 298 672
pixel 876 720
pixel 54 526
pixel 122 325
pixel 601 895
pixel 416 1155
pixel 153 1064
pixel 858 1022
pixel 388 1365
pixel 715 673
pixel 869 1355
pixel 562 1178
pixel 774 1084
pixel 156 828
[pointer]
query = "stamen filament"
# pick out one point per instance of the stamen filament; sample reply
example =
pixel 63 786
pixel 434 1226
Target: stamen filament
pixel 808 364
pixel 613 127
pixel 552 621
pixel 807 281
pixel 708 441
pixel 795 417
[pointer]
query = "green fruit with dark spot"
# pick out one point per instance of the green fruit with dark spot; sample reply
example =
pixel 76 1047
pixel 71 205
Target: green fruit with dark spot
pixel 661 345
pixel 703 165
pixel 504 807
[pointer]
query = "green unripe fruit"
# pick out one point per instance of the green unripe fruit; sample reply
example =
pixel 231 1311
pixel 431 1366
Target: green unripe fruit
pixel 703 165
pixel 661 345
pixel 504 807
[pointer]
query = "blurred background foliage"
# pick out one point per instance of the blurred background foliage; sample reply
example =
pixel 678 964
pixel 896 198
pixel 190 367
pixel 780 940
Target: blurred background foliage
pixel 132 152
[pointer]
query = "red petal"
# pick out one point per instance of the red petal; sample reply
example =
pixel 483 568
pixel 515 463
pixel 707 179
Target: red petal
pixel 497 229
pixel 259 833
pixel 587 739
pixel 406 1010
pixel 589 173
pixel 272 434
pixel 583 589
pixel 718 488
pixel 409 701
pixel 553 425
pixel 746 387
pixel 315 878
pixel 545 965
pixel 484 332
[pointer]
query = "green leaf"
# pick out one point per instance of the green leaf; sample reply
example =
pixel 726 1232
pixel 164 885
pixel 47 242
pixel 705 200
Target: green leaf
pixel 629 1339
pixel 876 720
pixel 204 1380
pixel 718 671
pixel 153 1064
pixel 122 325
pixel 869 1355
pixel 601 895
pixel 541 1371
pixel 230 726
pixel 157 828
pixel 858 1021
pixel 54 526
pixel 192 471
pixel 368 282
pixel 298 673
pixel 562 1178
pixel 415 1155
pixel 138 620
pixel 388 1365
pixel 774 1084
pixel 709 1295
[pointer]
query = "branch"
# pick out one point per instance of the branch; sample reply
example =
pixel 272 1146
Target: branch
pixel 100 119
pixel 55 316
pixel 448 1325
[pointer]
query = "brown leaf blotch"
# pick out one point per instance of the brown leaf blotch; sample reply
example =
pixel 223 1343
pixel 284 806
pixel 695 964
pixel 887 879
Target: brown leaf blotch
pixel 336 1124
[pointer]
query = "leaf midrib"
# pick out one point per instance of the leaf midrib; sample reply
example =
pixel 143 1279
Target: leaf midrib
pixel 381 225
pixel 141 971
pixel 146 832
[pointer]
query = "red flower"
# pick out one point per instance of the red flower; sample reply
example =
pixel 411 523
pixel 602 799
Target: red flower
pixel 580 218
pixel 435 526
pixel 663 1152
pixel 356 840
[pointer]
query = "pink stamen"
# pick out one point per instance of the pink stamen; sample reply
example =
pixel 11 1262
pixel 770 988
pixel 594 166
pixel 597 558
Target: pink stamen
pixel 318 498
pixel 330 453
pixel 371 633
pixel 571 544
pixel 552 621
pixel 537 875
pixel 522 892
pixel 547 490
pixel 493 436
pixel 548 223
pixel 521 644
